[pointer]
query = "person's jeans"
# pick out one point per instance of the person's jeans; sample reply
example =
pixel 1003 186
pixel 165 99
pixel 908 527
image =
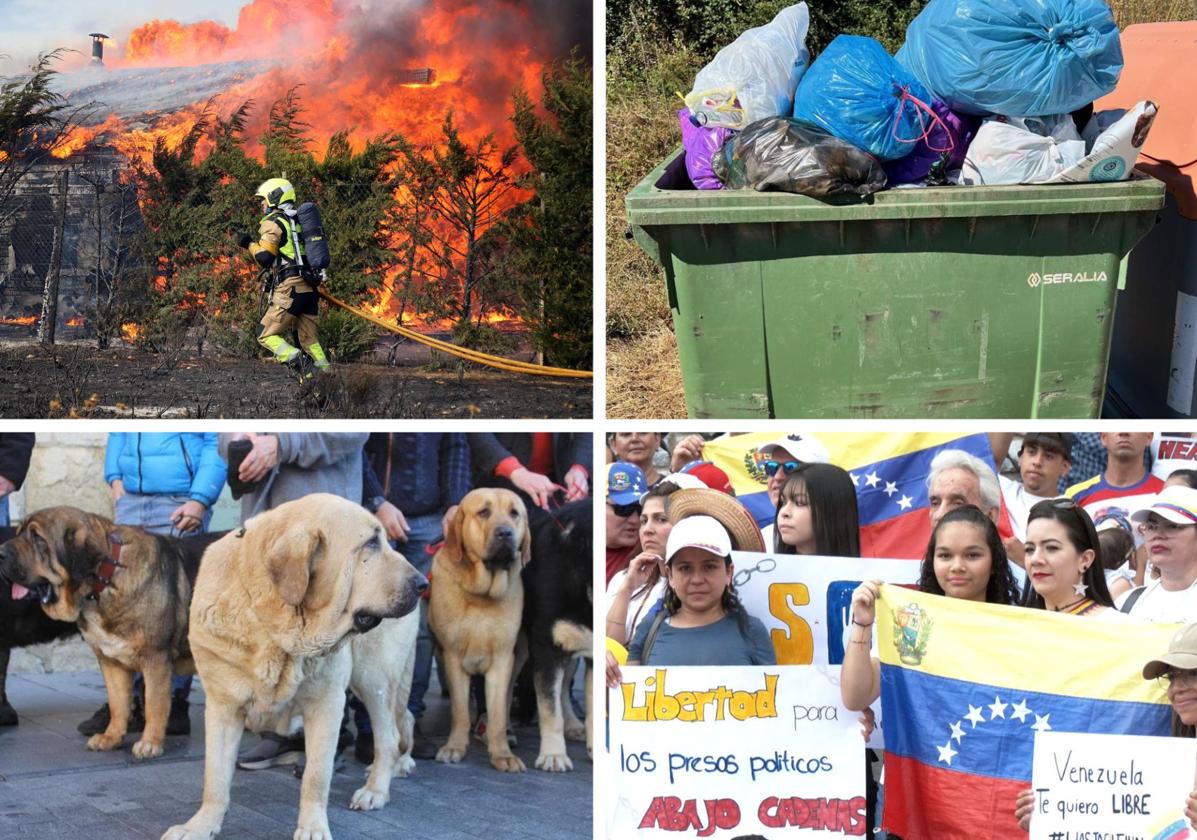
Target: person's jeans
pixel 151 513
pixel 425 530
pixel 4 512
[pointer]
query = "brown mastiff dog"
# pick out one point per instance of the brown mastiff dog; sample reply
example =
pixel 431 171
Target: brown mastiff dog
pixel 276 631
pixel 475 609
pixel 128 590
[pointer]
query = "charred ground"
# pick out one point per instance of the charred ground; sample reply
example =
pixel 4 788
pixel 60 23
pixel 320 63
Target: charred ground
pixel 77 380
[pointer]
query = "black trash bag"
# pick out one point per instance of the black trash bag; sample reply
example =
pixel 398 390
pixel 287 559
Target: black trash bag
pixel 780 154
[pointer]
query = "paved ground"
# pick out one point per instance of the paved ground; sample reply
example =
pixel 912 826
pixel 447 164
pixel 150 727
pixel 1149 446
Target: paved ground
pixel 51 787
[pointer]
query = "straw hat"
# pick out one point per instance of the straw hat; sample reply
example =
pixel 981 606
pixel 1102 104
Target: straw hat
pixel 741 527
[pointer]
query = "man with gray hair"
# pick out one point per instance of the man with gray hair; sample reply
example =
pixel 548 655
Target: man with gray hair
pixel 959 478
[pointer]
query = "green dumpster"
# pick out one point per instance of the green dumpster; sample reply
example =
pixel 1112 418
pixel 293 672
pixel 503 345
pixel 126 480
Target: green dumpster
pixel 937 302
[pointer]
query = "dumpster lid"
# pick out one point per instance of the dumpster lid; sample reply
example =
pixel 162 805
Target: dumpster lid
pixel 1161 65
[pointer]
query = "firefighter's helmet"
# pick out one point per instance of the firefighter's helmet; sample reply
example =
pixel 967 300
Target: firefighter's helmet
pixel 276 191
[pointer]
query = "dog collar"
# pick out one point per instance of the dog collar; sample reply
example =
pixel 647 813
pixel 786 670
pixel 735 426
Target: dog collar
pixel 107 567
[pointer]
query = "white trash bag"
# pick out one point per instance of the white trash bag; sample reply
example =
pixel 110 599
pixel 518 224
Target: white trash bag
pixel 1048 150
pixel 755 76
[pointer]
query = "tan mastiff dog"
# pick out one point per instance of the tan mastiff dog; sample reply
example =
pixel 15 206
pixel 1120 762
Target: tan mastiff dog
pixel 276 631
pixel 474 610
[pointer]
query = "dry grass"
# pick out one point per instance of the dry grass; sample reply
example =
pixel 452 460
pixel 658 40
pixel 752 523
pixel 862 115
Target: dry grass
pixel 1128 12
pixel 643 375
pixel 644 378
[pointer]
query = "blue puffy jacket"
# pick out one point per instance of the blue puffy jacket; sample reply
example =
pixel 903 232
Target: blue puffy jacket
pixel 179 464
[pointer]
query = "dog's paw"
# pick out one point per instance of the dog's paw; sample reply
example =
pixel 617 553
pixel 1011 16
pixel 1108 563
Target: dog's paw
pixel 576 733
pixel 367 799
pixel 182 832
pixel 554 762
pixel 312 832
pixel 450 754
pixel 147 749
pixel 102 742
pixel 508 763
pixel 405 765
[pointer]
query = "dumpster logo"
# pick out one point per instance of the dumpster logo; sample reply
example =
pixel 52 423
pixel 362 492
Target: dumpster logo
pixel 1036 279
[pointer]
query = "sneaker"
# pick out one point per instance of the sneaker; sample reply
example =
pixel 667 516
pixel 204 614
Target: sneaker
pixel 301 765
pixel 479 732
pixel 272 751
pixel 179 722
pixel 100 719
pixel 363 747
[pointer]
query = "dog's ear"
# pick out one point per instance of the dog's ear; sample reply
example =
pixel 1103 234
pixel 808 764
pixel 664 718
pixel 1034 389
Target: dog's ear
pixel 291 559
pixel 81 543
pixel 452 546
pixel 526 537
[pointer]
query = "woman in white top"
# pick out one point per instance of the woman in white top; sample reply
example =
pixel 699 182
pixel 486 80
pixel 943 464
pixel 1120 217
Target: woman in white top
pixel 633 591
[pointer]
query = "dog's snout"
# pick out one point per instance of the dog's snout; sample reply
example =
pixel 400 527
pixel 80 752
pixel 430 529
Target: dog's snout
pixel 505 532
pixel 420 584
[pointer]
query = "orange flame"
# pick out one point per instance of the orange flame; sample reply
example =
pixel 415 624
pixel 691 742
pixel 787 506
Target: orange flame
pixel 28 321
pixel 130 332
pixel 76 321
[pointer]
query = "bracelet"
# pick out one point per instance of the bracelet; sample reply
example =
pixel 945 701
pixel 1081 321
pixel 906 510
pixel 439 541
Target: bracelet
pixel 860 641
pixel 858 624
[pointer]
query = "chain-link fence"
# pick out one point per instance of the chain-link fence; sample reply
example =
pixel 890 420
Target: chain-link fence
pixel 66 236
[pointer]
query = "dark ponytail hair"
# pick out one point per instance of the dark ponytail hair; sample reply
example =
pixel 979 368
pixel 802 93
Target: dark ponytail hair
pixel 1001 588
pixel 1083 536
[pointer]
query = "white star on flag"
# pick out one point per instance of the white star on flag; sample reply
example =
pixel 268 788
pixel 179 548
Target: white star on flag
pixel 855 479
pixel 1041 724
pixel 975 715
pixel 890 488
pixel 1020 711
pixel 957 732
pixel 872 479
pixel 946 753
pixel 905 502
pixel 997 709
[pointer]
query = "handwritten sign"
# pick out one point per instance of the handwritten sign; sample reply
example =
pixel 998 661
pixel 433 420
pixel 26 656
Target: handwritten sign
pixel 804 601
pixel 734 751
pixel 1111 786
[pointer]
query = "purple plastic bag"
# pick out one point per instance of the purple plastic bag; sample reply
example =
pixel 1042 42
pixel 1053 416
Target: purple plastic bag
pixel 701 142
pixel 955 133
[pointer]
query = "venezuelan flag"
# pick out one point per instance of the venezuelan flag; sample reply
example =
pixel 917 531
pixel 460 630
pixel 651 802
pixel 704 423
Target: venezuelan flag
pixel 965 687
pixel 890 472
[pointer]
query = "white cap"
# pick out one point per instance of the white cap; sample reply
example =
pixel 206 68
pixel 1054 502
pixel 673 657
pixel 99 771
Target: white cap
pixel 1176 504
pixel 683 481
pixel 703 532
pixel 804 448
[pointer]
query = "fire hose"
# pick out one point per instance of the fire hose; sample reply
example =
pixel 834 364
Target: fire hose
pixel 499 362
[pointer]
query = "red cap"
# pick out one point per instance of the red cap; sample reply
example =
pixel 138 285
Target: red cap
pixel 710 475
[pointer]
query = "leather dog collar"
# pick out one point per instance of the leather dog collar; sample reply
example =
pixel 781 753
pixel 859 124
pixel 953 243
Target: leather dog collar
pixel 107 567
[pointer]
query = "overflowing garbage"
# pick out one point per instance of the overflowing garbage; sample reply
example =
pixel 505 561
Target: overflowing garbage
pixel 982 92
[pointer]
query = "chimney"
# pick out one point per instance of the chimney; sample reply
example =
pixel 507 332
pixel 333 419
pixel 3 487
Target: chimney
pixel 97 48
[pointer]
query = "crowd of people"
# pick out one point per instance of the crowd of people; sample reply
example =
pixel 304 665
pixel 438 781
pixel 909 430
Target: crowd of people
pixel 1116 544
pixel 168 483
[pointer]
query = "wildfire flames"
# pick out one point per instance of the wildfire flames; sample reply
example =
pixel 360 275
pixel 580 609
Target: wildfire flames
pixel 27 321
pixel 130 332
pixel 355 68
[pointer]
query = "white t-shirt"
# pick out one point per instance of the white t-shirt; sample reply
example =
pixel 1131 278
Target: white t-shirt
pixel 767 536
pixel 1162 605
pixel 640 602
pixel 1019 502
pixel 1171 452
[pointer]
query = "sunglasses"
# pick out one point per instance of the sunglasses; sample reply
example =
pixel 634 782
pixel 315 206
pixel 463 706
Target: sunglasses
pixel 1181 679
pixel 624 511
pixel 771 467
pixel 1161 526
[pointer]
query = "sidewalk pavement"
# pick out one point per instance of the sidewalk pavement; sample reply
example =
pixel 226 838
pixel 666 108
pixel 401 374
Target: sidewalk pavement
pixel 52 787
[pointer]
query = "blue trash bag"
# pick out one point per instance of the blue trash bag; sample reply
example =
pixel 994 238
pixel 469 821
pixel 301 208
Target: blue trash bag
pixel 857 92
pixel 1016 58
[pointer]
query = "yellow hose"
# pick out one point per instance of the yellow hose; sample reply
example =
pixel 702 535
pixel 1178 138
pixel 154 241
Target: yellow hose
pixel 510 365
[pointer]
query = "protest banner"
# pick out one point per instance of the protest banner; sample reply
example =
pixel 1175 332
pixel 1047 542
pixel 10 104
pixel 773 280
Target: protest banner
pixel 804 600
pixel 1111 786
pixel 728 752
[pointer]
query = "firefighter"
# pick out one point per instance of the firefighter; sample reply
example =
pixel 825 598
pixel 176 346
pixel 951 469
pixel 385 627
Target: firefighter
pixel 293 305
